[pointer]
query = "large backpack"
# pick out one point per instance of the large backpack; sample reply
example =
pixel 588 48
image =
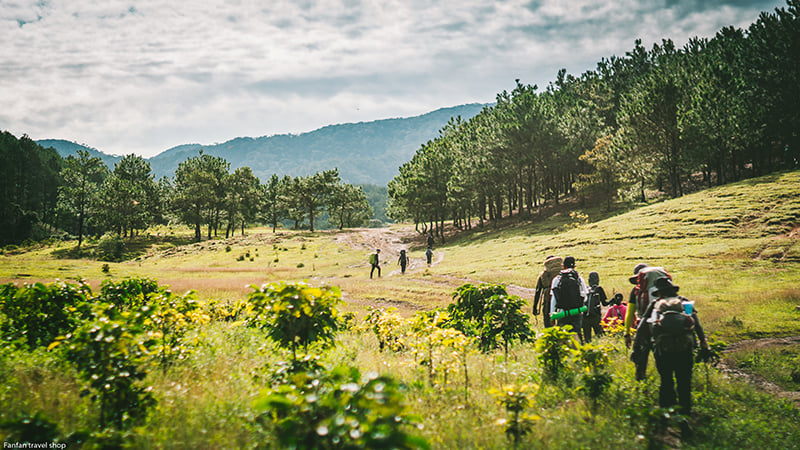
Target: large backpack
pixel 373 259
pixel 645 286
pixel 568 291
pixel 672 328
pixel 593 303
pixel 552 267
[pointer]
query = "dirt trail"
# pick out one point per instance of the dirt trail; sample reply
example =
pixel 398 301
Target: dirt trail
pixel 390 241
pixel 728 366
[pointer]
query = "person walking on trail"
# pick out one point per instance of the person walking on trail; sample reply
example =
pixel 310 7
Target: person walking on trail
pixel 429 255
pixel 375 262
pixel 541 299
pixel 568 295
pixel 430 240
pixel 403 261
pixel 642 297
pixel 675 330
pixel 595 300
pixel 615 315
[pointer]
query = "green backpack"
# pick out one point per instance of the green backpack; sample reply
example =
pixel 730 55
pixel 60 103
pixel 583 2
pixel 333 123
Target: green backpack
pixel 373 259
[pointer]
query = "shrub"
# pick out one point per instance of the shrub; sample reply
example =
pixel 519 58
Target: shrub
pixel 109 352
pixel 488 312
pixel 295 314
pixel 129 293
pixel 110 247
pixel 339 409
pixel 553 346
pixel 36 314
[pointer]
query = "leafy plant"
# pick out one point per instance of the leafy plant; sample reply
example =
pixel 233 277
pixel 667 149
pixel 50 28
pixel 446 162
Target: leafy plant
pixel 36 314
pixel 504 319
pixel 109 352
pixel 171 318
pixel 387 326
pixel 110 247
pixel 514 398
pixel 488 312
pixel 595 378
pixel 337 410
pixel 295 314
pixel 129 293
pixel 553 346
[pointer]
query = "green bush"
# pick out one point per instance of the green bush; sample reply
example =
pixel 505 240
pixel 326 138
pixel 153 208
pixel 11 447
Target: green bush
pixel 295 314
pixel 110 247
pixel 129 293
pixel 109 352
pixel 338 409
pixel 35 314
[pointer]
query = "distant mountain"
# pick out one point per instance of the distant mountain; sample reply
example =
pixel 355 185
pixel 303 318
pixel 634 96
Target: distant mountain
pixel 364 152
pixel 66 148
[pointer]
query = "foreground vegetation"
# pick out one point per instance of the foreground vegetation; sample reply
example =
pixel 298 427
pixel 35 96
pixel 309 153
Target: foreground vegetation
pixel 732 249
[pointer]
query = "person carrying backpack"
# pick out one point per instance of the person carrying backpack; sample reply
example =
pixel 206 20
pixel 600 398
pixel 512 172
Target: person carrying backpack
pixel 429 255
pixel 674 325
pixel 403 261
pixel 541 300
pixel 642 297
pixel 568 295
pixel 375 262
pixel 596 298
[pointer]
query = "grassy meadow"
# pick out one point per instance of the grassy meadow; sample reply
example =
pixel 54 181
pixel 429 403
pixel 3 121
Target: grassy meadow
pixel 733 250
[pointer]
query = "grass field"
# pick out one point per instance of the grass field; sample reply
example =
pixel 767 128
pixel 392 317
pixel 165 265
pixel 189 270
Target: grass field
pixel 733 250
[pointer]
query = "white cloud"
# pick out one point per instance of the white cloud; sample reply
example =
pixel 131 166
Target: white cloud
pixel 141 76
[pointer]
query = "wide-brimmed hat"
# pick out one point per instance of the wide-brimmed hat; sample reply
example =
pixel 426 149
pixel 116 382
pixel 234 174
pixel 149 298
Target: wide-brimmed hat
pixel 665 287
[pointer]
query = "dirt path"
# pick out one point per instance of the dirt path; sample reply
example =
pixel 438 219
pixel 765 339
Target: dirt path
pixel 728 366
pixel 390 242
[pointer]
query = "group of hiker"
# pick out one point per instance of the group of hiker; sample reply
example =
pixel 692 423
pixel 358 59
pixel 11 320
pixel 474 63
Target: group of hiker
pixel 655 319
pixel 402 261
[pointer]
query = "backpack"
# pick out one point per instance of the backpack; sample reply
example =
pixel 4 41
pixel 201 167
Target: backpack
pixel 672 328
pixel 373 259
pixel 593 303
pixel 552 267
pixel 645 285
pixel 568 291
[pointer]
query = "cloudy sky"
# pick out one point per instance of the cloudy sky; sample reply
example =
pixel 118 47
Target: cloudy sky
pixel 140 77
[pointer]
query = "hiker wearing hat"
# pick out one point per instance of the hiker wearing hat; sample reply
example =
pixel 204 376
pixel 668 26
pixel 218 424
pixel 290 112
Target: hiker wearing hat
pixel 541 300
pixel 642 297
pixel 675 330
pixel 568 295
pixel 375 261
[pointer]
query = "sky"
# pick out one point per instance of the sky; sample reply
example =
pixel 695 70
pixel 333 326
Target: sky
pixel 144 76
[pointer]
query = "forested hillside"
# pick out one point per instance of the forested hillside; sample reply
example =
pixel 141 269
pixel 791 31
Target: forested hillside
pixel 665 119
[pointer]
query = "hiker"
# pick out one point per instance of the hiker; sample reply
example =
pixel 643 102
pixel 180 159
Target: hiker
pixel 375 261
pixel 642 297
pixel 674 326
pixel 568 295
pixel 615 315
pixel 430 240
pixel 429 254
pixel 630 320
pixel 541 300
pixel 403 261
pixel 595 299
